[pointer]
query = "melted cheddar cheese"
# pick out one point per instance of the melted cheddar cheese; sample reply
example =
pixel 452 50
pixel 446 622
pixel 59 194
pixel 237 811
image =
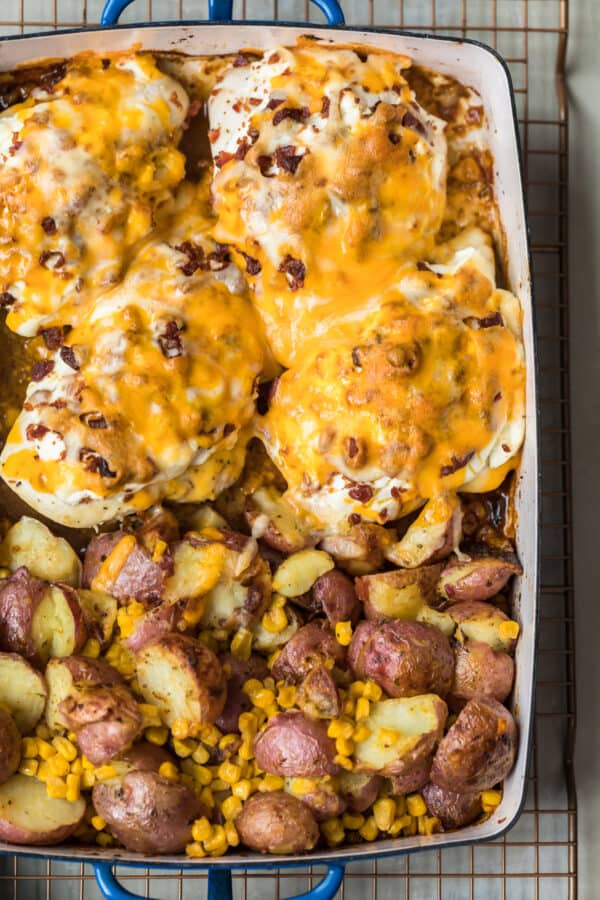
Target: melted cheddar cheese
pixel 87 167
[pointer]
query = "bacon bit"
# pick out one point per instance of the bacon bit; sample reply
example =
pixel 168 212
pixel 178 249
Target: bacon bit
pixel 253 267
pixel 219 258
pixel 362 56
pixel 394 138
pixel 295 270
pixel 193 110
pixel 354 519
pixel 356 357
pixel 6 299
pixel 213 135
pixel 36 432
pixel 196 257
pixel 410 121
pixel 237 106
pixel 289 112
pixel 41 368
pixel 286 159
pixel 397 88
pixel 240 61
pixel 52 337
pixel 93 462
pixel 274 102
pixel 506 448
pixel 497 396
pixel 274 58
pixel 68 357
pixel 397 492
pixel 474 115
pixel 487 322
pixel 325 105
pixel 173 97
pixel 222 158
pixel 170 341
pixel 228 428
pixel 93 420
pixel 254 101
pixel 264 163
pixel 15 143
pixel 362 493
pixel 355 452
pixel 423 267
pixel 457 462
pixel 49 225
pixel 52 259
pixel 105 63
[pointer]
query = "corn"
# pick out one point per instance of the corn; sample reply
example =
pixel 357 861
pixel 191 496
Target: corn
pixel 384 813
pixel 353 822
pixel 230 807
pixel 357 688
pixel 241 645
pixel 217 784
pixel 509 629
pixel 372 691
pixel 242 789
pixel 286 696
pixel 65 747
pixel 263 699
pixel 195 850
pixel 98 823
pixel 411 828
pixel 227 741
pixel 88 779
pixel 363 708
pixel 490 800
pixel 201 829
pixel 217 840
pixel 416 805
pixel 343 633
pixel 247 724
pixel 86 763
pixel 157 736
pixel 271 783
pixel 272 711
pixel 349 706
pixel 200 755
pixel 333 830
pixel 251 687
pixel 73 787
pixel 338 728
pixel 343 761
pixel 369 830
pixel 275 620
pixel 183 749
pixel 72 737
pixel 43 773
pixel 127 618
pixel 344 747
pixel 180 729
pixel 150 714
pixel 91 649
pixel 104 839
pixel 229 772
pixel 399 824
pixel 303 786
pixel 273 657
pixel 29 748
pixel 28 767
pixel 44 749
pixel 206 797
pixel 361 733
pixel 169 770
pixel 42 731
pixel 231 834
pixel 159 551
pixel 202 775
pixel 58 765
pixel 211 735
pixel 246 750
pixel 103 773
pixel 428 825
pixel 76 767
pixel 56 787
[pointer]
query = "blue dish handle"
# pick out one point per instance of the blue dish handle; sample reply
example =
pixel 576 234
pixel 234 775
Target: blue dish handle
pixel 219 884
pixel 221 11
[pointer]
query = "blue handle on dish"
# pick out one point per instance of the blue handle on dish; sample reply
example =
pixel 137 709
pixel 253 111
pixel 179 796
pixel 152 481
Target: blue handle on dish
pixel 219 884
pixel 221 11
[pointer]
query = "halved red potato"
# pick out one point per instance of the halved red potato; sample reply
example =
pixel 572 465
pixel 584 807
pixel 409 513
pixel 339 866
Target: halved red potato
pixel 479 749
pixel 453 810
pixel 404 658
pixel 274 521
pixel 317 696
pixel 434 534
pixel 106 720
pixel 439 618
pixel 323 799
pixel 403 734
pixel 310 646
pixel 29 816
pixel 22 691
pixel 276 822
pixel 10 746
pixel 145 757
pixel 399 594
pixel 478 578
pixel 20 596
pixel 335 595
pixel 481 671
pixel 478 621
pixel 183 678
pixel 237 700
pixel 65 676
pixel 359 790
pixel 31 544
pixel 412 780
pixel 297 574
pixel 268 641
pixel 234 604
pixel 99 613
pixel 360 550
pixel 119 564
pixel 293 745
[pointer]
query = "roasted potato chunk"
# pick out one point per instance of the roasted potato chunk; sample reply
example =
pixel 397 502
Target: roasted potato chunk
pixel 65 676
pixel 99 614
pixel 410 781
pixel 237 700
pixel 434 534
pixel 478 578
pixel 399 594
pixel 481 671
pixel 323 799
pixel 120 564
pixel 274 521
pixel 317 696
pixel 29 816
pixel 293 745
pixel 334 594
pixel 10 746
pixel 22 691
pixel 106 720
pixel 360 550
pixel 310 646
pixel 31 544
pixel 268 641
pixel 297 574
pixel 485 623
pixel 358 790
pixel 453 810
pixel 276 822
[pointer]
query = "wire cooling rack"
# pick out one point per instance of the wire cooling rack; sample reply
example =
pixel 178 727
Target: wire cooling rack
pixel 537 859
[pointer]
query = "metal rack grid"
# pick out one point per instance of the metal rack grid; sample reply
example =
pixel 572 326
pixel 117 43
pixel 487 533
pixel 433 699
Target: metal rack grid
pixel 537 859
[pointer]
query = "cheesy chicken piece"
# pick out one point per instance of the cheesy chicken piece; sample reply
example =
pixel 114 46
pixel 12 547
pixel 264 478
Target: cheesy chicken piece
pixel 87 167
pixel 149 396
pixel 328 176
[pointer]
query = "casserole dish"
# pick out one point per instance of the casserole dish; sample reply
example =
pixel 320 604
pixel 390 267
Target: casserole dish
pixel 480 68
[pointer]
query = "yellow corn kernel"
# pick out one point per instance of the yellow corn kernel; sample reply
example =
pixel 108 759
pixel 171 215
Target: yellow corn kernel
pixel 98 823
pixel 349 706
pixel 104 839
pixel 271 783
pixel 275 620
pixel 65 747
pixel 242 789
pixel 169 770
pixel 217 784
pixel 411 829
pixel 333 831
pixel 353 821
pixel 369 830
pixel 73 787
pixel 363 708
pixel 399 824
pixel 56 787
pixel 180 729
pixel 273 657
pixel 88 779
pixel 490 800
pixel 72 737
pixel 44 749
pixel 384 813
pixel 271 711
pixel 216 840
pixel 206 797
pixel 114 562
pixel 76 767
pixel 202 775
pixel 229 772
pixel 357 688
pixel 86 763
pixel 91 649
pixel 416 805
pixel 252 686
pixel 247 723
pixel 195 850
pixel 428 825
pixel 263 699
pixel 103 773
pixel 42 731
pixel 29 748
pixel 343 761
pixel 338 728
pixel 303 786
pixel 57 765
pixel 150 714
pixel 387 737
pixel 372 691
pixel 231 834
pixel 286 696
pixel 159 551
pixel 361 733
pixel 230 807
pixel 344 746
pixel 343 633
pixel 183 749
pixel 227 741
pixel 43 772
pixel 202 829
pixel 246 750
pixel 200 755
pixel 211 735
pixel 157 736
pixel 29 767
pixel 241 645
pixel 509 629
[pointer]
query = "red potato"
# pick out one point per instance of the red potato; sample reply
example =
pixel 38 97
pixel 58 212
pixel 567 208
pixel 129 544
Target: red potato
pixel 478 578
pixel 310 646
pixel 237 701
pixel 335 595
pixel 481 671
pixel 323 799
pixel 31 544
pixel 434 535
pixel 29 816
pixel 20 595
pixel 154 625
pixel 404 658
pixel 276 822
pixel 362 549
pixel 147 813
pixel 10 746
pixel 411 781
pixel 398 595
pixel 22 691
pixel 136 576
pixel 157 524
pixel 183 678
pixel 65 676
pixel 486 623
pixel 145 757
pixel 99 614
pixel 479 749
pixel 106 720
pixel 295 746
pixel 317 696
pixel 358 790
pixel 234 604
pixel 274 521
pixel 453 810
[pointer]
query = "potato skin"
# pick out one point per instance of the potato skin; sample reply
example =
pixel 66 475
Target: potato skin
pixel 147 813
pixel 411 781
pixel 139 578
pixel 481 671
pixel 293 745
pixel 405 658
pixel 479 749
pixel 237 701
pixel 334 593
pixel 317 696
pixel 146 757
pixel 276 822
pixel 153 625
pixel 472 612
pixel 414 588
pixel 106 720
pixel 10 746
pixel 312 644
pixel 20 595
pixel 478 578
pixel 324 802
pixel 453 810
pixel 358 790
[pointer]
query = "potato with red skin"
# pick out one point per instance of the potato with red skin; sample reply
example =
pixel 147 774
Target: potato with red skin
pixel 20 595
pixel 153 625
pixel 146 757
pixel 29 816
pixel 139 577
pixel 335 595
pixel 148 813
pixel 317 696
pixel 479 621
pixel 398 594
pixel 480 671
pixel 453 810
pixel 10 746
pixel 479 749
pixel 324 801
pixel 358 790
pixel 361 549
pixel 433 535
pixel 238 701
pixel 65 677
pixel 106 720
pixel 295 746
pixel 478 578
pixel 410 781
pixel 23 691
pixel 276 822
pixel 404 658
pixel 310 646
pixel 273 520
